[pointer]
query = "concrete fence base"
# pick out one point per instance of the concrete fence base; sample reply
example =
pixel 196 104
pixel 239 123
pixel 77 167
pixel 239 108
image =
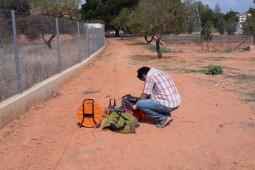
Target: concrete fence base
pixel 11 108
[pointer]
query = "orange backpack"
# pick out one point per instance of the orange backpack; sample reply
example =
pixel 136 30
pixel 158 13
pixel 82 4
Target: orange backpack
pixel 89 114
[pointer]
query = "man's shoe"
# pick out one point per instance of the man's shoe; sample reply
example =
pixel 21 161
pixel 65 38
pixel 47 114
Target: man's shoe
pixel 164 122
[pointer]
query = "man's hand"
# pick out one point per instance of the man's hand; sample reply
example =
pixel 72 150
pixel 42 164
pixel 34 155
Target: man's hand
pixel 135 107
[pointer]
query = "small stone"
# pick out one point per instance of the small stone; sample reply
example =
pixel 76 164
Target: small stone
pixel 245 166
pixel 54 94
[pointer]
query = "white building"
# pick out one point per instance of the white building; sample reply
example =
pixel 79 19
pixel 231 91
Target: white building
pixel 242 18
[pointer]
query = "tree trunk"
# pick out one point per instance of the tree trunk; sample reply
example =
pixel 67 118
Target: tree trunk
pixel 117 32
pixel 48 42
pixel 207 43
pixel 228 39
pixel 158 48
pixel 147 40
pixel 122 36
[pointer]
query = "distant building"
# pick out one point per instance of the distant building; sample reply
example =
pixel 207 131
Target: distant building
pixel 242 18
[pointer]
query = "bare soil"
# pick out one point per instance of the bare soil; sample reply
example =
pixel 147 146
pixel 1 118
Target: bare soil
pixel 213 129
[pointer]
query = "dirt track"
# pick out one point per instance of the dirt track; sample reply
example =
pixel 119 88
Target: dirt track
pixel 213 129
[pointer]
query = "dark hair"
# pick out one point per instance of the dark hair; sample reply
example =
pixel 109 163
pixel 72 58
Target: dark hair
pixel 142 72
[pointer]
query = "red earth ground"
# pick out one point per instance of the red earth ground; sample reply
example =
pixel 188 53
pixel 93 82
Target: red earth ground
pixel 213 129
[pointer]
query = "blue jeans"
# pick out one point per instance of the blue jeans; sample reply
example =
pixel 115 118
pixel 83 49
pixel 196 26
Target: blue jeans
pixel 154 109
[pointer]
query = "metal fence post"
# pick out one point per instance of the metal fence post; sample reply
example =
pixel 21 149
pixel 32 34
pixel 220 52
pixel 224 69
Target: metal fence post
pixel 16 50
pixel 93 40
pixel 101 37
pixel 87 41
pixel 103 34
pixel 58 45
pixel 252 39
pixel 79 40
pixel 97 38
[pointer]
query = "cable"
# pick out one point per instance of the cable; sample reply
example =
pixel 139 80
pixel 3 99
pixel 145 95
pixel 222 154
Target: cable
pixel 70 139
pixel 94 137
pixel 62 154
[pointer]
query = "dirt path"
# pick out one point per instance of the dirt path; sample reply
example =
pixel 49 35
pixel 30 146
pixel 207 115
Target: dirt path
pixel 212 129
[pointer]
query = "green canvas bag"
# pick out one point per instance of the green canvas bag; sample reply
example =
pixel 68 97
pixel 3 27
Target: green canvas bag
pixel 121 122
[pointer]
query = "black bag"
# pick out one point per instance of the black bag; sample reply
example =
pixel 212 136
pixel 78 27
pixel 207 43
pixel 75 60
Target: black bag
pixel 128 101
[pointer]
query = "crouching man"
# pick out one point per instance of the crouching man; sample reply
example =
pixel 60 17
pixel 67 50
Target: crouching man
pixel 160 96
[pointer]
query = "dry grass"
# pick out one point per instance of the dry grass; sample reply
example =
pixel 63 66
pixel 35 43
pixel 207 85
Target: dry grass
pixel 8 74
pixel 243 78
pixel 237 77
pixel 214 58
pixel 163 49
pixel 37 63
pixel 246 85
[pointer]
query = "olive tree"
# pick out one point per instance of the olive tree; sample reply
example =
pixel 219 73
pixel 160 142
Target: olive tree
pixel 22 6
pixel 156 17
pixel 206 33
pixel 231 19
pixel 105 10
pixel 121 21
pixel 249 24
pixel 56 8
pixel 42 21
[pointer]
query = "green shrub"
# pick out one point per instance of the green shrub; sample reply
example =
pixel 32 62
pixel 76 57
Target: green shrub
pixel 153 49
pixel 214 70
pixel 164 49
pixel 229 50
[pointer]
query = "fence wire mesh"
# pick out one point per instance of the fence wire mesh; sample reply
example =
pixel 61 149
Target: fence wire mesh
pixel 8 83
pixel 35 47
pixel 191 38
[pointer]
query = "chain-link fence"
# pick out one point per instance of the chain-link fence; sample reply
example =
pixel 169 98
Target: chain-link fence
pixel 35 47
pixel 191 38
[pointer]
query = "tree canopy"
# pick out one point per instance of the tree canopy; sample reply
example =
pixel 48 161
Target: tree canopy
pixel 121 21
pixel 156 17
pixel 249 24
pixel 206 33
pixel 22 6
pixel 105 10
pixel 56 8
pixel 231 19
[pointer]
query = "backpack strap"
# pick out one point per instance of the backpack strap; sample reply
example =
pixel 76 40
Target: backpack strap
pixel 114 127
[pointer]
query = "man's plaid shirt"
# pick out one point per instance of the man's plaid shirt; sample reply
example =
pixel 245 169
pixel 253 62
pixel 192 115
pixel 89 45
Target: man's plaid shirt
pixel 161 88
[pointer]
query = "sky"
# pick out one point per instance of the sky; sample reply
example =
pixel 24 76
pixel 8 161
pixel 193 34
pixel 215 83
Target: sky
pixel 81 2
pixel 236 5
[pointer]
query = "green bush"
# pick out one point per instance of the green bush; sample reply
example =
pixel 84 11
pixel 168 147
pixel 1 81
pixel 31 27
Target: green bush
pixel 153 49
pixel 214 70
pixel 229 50
pixel 164 49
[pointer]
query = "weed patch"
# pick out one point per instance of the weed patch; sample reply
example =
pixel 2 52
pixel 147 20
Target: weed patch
pixel 186 70
pixel 164 49
pixel 243 78
pixel 248 125
pixel 214 70
pixel 215 58
pixel 249 97
pixel 229 50
pixel 137 42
